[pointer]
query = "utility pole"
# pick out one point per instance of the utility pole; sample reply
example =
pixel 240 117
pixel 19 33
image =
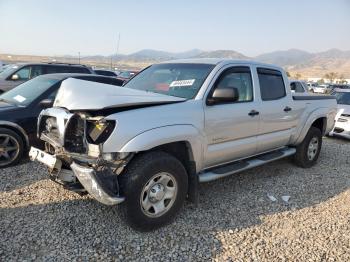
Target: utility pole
pixel 79 57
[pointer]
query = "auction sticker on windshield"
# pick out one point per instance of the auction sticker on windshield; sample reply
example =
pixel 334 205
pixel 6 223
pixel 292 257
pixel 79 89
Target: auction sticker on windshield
pixel 19 98
pixel 188 82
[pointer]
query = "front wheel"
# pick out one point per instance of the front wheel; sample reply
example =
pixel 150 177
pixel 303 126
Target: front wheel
pixel 155 187
pixel 309 150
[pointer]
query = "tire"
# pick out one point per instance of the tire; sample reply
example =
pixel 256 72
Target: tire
pixel 11 141
pixel 303 156
pixel 139 185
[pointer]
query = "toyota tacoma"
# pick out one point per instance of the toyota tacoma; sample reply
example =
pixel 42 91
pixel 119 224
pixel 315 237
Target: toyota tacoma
pixel 148 145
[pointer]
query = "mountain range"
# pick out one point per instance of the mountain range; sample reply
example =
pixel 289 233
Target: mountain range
pixel 293 60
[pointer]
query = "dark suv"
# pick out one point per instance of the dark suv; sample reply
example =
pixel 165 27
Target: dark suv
pixel 17 74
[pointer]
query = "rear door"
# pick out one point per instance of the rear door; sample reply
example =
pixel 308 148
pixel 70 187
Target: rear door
pixel 278 118
pixel 230 129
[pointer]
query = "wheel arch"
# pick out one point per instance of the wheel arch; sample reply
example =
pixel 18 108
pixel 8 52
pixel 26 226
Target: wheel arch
pixel 168 138
pixel 319 118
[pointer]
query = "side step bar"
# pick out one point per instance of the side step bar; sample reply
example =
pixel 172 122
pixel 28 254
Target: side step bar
pixel 238 166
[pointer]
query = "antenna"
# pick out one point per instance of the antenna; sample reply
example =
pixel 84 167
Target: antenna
pixel 116 54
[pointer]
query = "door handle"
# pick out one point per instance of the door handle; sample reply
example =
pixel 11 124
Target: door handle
pixel 253 113
pixel 287 109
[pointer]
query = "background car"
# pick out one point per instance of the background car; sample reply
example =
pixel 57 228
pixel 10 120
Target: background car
pixel 20 107
pixel 298 86
pixel 342 124
pixel 104 72
pixel 126 75
pixel 17 74
pixel 332 87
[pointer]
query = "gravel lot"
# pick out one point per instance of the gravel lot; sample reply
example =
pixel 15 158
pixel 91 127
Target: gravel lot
pixel 235 219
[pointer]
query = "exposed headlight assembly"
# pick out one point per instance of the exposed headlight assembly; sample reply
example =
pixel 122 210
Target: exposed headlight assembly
pixel 99 131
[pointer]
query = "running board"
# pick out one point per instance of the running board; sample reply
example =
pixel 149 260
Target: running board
pixel 238 166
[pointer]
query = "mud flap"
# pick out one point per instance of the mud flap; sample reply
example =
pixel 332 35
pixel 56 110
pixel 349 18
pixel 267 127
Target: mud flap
pixel 193 184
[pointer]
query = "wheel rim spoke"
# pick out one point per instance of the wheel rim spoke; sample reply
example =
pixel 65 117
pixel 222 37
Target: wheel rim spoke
pixel 170 192
pixel 159 207
pixel 146 203
pixel 6 155
pixel 10 148
pixel 164 180
pixel 6 141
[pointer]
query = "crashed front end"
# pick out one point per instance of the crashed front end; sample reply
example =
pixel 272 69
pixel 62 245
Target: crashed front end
pixel 74 153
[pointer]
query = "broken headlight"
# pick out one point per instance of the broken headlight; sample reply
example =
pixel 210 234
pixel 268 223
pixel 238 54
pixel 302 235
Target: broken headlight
pixel 99 131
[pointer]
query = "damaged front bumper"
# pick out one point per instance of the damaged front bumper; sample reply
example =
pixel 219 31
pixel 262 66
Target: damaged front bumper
pixel 342 127
pixel 95 182
pixel 91 182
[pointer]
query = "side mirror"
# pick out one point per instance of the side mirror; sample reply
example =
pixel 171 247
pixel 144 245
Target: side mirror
pixel 14 77
pixel 224 95
pixel 46 103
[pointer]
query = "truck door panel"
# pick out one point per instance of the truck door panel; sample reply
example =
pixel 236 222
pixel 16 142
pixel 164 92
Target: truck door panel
pixel 230 130
pixel 278 118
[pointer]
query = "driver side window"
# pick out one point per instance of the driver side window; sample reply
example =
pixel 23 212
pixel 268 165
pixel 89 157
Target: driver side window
pixel 239 78
pixel 23 74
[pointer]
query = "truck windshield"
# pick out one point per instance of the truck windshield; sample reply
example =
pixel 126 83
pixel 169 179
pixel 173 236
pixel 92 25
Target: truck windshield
pixel 343 98
pixel 173 79
pixel 27 92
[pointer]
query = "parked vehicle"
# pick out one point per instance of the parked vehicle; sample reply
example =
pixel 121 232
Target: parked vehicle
pixel 297 86
pixel 3 67
pixel 17 74
pixel 311 86
pixel 126 75
pixel 20 107
pixel 104 72
pixel 321 89
pixel 333 87
pixel 173 125
pixel 342 125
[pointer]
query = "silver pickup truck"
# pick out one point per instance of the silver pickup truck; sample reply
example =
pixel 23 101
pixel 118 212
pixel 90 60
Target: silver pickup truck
pixel 149 144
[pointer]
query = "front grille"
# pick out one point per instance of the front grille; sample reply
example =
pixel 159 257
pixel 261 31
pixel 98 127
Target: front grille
pixel 74 135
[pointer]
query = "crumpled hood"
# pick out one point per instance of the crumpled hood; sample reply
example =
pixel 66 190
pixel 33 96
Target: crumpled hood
pixel 76 94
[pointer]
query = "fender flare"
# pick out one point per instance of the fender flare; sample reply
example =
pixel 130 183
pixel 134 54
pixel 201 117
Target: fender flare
pixel 317 114
pixel 17 128
pixel 165 135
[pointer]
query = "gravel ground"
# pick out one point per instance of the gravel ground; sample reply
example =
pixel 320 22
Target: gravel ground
pixel 235 219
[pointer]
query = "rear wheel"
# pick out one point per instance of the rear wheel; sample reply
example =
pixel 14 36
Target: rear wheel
pixel 11 147
pixel 155 186
pixel 309 150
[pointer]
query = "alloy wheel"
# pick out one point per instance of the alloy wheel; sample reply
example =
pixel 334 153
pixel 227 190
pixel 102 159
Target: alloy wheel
pixel 9 149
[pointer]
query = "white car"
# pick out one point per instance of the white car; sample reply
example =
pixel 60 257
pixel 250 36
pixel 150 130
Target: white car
pixel 297 86
pixel 321 89
pixel 342 124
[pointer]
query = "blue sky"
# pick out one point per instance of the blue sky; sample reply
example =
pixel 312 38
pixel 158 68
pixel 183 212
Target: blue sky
pixel 49 27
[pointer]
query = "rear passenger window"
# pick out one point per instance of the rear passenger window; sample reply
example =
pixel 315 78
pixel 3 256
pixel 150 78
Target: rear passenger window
pixel 271 84
pixel 240 78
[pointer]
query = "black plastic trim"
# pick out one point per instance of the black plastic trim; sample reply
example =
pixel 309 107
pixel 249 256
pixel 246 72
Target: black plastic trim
pixel 313 97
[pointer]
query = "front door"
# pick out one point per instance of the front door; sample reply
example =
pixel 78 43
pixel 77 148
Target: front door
pixel 231 128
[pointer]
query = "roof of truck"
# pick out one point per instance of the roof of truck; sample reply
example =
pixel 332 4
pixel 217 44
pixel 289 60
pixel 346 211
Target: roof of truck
pixel 216 61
